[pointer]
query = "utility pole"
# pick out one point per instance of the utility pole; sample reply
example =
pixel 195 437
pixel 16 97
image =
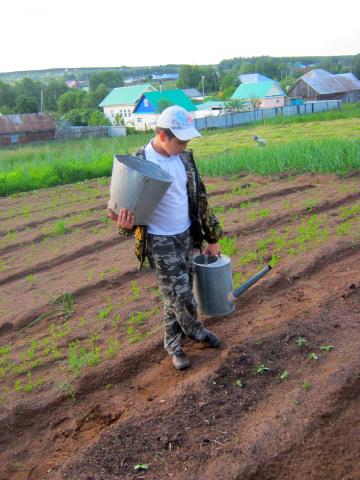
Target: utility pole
pixel 42 106
pixel 202 82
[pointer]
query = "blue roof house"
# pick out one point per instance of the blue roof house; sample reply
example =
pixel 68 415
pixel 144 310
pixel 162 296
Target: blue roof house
pixel 151 104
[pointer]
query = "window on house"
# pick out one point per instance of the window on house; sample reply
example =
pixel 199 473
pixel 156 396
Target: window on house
pixel 139 119
pixel 14 138
pixel 146 102
pixel 129 113
pixel 112 113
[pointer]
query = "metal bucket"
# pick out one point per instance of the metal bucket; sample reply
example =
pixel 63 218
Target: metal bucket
pixel 213 284
pixel 137 185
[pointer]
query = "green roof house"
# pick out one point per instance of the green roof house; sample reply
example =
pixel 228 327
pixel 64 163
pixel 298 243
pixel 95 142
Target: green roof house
pixel 122 101
pixel 261 94
pixel 151 104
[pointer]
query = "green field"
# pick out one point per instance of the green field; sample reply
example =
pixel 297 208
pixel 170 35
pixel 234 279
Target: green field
pixel 328 142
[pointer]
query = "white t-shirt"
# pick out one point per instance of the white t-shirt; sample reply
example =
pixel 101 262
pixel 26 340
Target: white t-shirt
pixel 171 215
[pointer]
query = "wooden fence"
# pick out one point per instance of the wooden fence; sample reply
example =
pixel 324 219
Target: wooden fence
pixel 68 133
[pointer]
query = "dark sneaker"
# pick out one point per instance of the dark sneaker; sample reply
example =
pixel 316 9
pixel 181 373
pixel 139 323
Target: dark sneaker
pixel 212 340
pixel 180 360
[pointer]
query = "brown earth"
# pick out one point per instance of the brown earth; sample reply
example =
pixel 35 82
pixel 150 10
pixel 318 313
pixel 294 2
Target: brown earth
pixel 87 391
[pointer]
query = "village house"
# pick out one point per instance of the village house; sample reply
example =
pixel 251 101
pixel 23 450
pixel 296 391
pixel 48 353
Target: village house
pixel 253 78
pixel 211 108
pixel 193 94
pixel 120 102
pixel 151 104
pixel 319 84
pixel 262 94
pixel 26 128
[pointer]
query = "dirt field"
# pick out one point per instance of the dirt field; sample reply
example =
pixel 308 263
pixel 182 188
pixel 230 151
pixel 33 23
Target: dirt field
pixel 86 389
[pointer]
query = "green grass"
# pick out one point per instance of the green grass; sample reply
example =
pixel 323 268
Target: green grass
pixel 327 142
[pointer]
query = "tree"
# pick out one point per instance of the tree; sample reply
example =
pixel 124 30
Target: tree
pixel 287 83
pixel 28 88
pixel 98 118
pixel 52 92
pixel 93 98
pixel 7 95
pixel 355 66
pixel 74 117
pixel 235 105
pixel 72 99
pixel 111 79
pixel 189 76
pixel 26 104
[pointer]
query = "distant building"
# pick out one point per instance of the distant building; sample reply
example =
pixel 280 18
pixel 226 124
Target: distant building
pixel 263 94
pixel 122 101
pixel 193 93
pixel 26 128
pixel 80 84
pixel 253 78
pixel 210 108
pixel 319 84
pixel 151 104
pixel 165 76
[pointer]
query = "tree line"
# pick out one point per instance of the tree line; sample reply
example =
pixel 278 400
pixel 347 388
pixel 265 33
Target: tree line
pixel 80 107
pixel 72 105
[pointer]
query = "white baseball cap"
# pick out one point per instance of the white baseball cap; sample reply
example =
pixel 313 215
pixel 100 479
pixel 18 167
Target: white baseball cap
pixel 179 122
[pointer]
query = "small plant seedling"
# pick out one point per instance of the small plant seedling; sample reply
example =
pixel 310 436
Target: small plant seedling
pixel 141 467
pixel 239 383
pixel 59 228
pixel 284 375
pixel 326 348
pixel 306 385
pixel 301 342
pixel 262 368
pixel 17 465
pixel 313 356
pixel 30 279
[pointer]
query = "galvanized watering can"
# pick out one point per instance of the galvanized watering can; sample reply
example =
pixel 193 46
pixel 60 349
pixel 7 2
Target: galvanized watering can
pixel 137 185
pixel 213 286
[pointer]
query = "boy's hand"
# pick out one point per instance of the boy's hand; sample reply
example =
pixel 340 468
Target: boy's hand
pixel 125 219
pixel 212 249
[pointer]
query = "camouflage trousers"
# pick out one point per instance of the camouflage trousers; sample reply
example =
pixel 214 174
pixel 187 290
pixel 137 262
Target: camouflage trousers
pixel 172 259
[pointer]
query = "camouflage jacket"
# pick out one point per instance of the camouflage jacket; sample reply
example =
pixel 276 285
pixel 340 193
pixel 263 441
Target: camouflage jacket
pixel 204 224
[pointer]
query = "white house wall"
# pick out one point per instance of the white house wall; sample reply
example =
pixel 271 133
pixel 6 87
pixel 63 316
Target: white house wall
pixel 146 121
pixel 272 102
pixel 124 110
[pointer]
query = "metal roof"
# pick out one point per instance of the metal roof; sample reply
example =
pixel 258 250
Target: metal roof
pixel 316 72
pixel 125 95
pixel 209 104
pixel 325 83
pixel 174 97
pixel 253 78
pixel 258 90
pixel 29 122
pixel 192 92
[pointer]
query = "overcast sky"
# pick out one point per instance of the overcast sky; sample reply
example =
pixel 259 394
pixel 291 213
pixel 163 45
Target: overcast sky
pixel 41 34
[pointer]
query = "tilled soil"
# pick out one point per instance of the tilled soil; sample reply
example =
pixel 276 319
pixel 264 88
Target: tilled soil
pixel 86 389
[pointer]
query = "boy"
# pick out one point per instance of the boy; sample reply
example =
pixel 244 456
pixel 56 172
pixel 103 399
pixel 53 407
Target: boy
pixel 180 222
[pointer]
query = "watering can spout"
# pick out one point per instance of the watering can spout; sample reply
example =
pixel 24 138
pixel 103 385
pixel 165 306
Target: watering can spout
pixel 240 290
